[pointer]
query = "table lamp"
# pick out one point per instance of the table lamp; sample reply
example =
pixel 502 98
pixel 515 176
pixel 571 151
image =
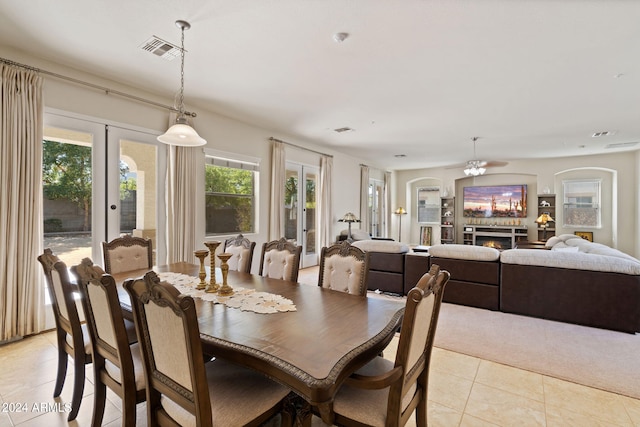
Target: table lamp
pixel 400 211
pixel 543 221
pixel 349 218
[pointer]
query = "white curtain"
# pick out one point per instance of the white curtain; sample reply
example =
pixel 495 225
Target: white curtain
pixel 21 133
pixel 278 172
pixel 326 210
pixel 386 209
pixel 365 220
pixel 182 164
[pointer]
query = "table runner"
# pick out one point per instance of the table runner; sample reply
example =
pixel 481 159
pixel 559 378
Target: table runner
pixel 244 299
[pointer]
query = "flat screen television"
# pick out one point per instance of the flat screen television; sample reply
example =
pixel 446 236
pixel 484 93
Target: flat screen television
pixel 495 201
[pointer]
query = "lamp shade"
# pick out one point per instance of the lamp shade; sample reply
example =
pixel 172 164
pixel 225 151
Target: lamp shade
pixel 349 217
pixel 183 135
pixel 400 211
pixel 544 218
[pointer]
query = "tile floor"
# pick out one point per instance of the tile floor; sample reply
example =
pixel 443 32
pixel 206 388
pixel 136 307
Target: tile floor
pixel 463 391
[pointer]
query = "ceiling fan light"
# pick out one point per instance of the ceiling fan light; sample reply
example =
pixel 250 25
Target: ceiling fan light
pixel 474 170
pixel 474 167
pixel 183 135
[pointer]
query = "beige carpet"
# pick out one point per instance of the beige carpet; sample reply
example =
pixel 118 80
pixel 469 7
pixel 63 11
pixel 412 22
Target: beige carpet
pixel 593 357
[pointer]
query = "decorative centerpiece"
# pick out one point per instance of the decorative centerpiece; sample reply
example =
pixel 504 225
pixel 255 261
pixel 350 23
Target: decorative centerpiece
pixel 201 255
pixel 225 289
pixel 212 287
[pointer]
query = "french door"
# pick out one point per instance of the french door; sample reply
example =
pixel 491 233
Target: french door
pixel 301 200
pixel 100 180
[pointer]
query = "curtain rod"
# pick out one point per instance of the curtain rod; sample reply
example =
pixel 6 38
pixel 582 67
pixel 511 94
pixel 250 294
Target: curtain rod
pixel 297 146
pixel 104 89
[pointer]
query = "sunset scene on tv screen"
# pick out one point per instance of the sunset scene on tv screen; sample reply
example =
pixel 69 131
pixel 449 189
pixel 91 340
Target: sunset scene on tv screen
pixel 504 201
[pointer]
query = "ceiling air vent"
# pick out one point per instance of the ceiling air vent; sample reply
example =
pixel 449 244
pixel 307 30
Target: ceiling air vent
pixel 161 48
pixel 603 133
pixel 621 145
pixel 344 129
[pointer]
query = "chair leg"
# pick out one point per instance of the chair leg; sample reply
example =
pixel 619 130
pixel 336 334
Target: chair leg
pixel 78 386
pixel 99 401
pixel 129 409
pixel 421 413
pixel 63 361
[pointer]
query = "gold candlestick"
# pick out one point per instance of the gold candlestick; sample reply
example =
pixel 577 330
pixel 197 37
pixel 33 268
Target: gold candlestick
pixel 201 254
pixel 225 289
pixel 212 286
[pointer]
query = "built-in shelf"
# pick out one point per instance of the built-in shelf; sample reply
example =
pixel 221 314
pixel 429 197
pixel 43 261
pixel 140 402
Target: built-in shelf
pixel 547 204
pixel 447 218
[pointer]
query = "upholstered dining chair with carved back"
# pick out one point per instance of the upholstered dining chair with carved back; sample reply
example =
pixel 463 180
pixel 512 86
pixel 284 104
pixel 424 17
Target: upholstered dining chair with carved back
pixel 344 268
pixel 386 393
pixel 241 250
pixel 71 334
pixel 280 259
pixel 116 364
pixel 127 253
pixel 181 388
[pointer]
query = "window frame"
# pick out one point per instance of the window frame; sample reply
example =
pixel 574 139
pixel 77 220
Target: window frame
pixel 227 160
pixel 569 206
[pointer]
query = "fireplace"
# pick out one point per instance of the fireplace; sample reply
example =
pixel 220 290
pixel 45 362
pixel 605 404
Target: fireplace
pixel 496 242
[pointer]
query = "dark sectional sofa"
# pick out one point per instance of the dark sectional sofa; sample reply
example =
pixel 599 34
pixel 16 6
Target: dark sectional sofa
pixel 577 282
pixel 393 268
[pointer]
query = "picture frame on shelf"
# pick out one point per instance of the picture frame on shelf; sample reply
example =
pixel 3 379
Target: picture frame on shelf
pixel 587 235
pixel 425 235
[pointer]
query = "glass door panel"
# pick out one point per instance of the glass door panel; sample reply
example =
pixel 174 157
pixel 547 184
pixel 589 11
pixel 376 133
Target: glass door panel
pixel 300 210
pixel 72 184
pixel 135 198
pixel 309 250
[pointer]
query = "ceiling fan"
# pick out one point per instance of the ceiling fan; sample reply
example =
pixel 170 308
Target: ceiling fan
pixel 477 167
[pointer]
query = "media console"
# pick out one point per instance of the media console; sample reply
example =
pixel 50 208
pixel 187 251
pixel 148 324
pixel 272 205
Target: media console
pixel 494 236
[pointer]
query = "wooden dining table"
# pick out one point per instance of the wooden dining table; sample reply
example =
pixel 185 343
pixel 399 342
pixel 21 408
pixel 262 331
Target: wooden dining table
pixel 312 350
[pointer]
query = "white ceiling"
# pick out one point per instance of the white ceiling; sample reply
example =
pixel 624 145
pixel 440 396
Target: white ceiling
pixel 531 78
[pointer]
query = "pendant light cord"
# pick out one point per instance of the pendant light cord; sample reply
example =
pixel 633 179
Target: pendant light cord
pixel 181 109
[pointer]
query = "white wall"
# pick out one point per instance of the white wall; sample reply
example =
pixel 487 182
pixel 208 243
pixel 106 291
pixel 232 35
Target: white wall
pixel 221 133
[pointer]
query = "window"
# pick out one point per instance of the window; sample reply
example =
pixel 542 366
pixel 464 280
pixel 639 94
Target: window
pixel 429 204
pixel 375 203
pixel 582 203
pixel 230 192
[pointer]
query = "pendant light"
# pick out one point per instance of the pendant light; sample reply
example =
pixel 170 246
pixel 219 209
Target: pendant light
pixel 181 133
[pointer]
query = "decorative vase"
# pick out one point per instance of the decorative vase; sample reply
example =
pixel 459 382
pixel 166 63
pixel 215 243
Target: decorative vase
pixel 212 286
pixel 201 255
pixel 225 289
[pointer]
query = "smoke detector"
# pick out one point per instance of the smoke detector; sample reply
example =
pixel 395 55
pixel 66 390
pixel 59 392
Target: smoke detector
pixel 340 37
pixel 161 48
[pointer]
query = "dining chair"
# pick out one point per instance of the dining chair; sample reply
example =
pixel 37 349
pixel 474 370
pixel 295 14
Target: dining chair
pixel 127 253
pixel 241 250
pixel 344 268
pixel 181 388
pixel 87 271
pixel 280 259
pixel 72 335
pixel 116 363
pixel 386 393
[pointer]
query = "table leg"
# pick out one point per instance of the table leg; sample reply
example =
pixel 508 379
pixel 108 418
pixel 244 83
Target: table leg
pixel 303 413
pixel 326 412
